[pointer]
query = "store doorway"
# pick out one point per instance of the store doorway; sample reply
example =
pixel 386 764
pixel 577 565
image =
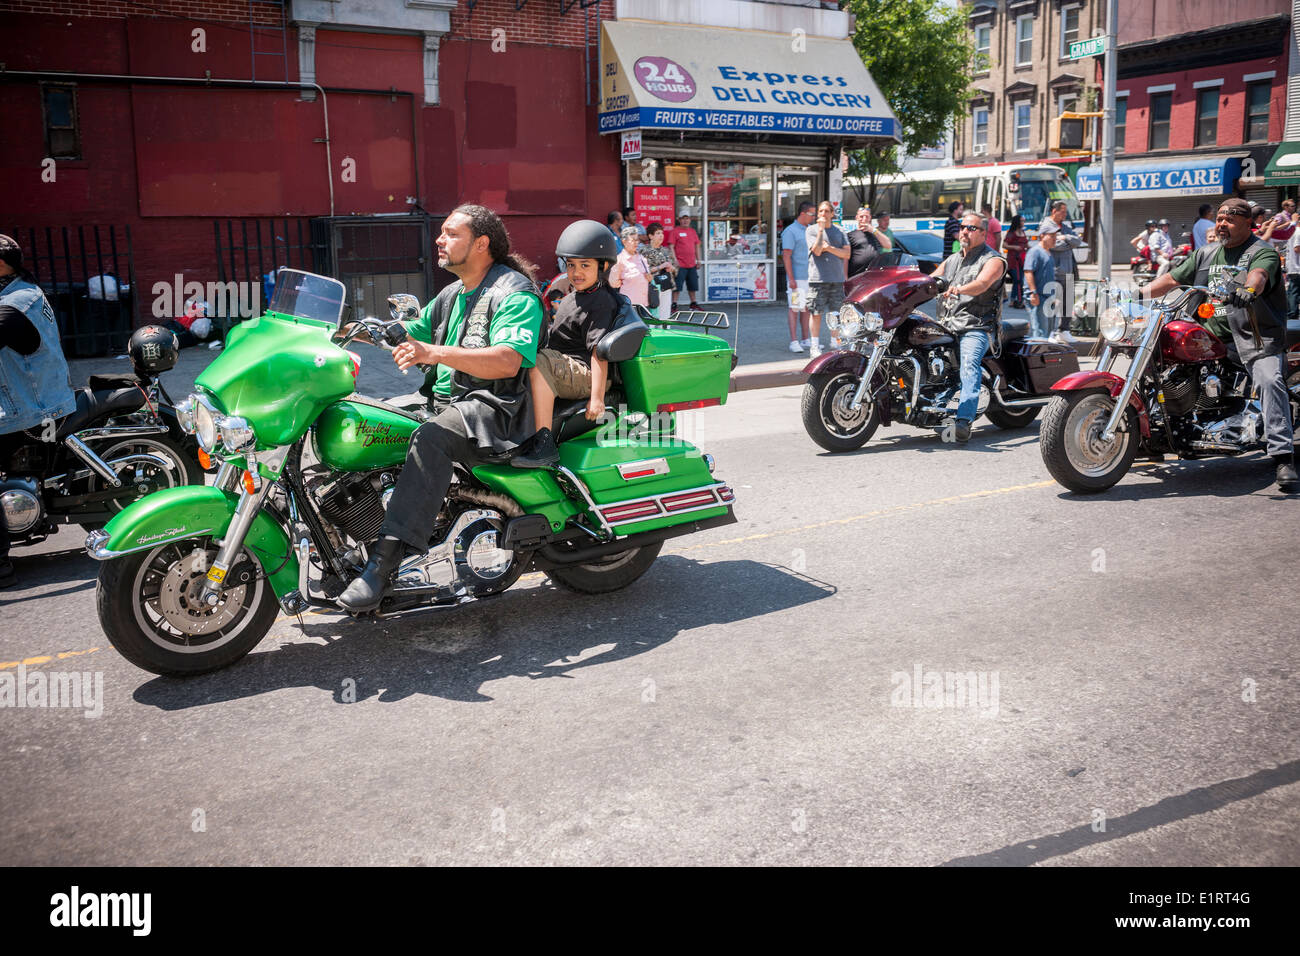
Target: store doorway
pixel 793 186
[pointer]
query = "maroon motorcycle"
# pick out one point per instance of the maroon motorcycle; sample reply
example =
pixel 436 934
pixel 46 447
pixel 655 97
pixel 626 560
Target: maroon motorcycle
pixel 898 364
pixel 1177 392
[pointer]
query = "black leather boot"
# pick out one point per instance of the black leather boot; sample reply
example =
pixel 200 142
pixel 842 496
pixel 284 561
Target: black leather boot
pixel 7 576
pixel 1288 481
pixel 365 592
pixel 541 452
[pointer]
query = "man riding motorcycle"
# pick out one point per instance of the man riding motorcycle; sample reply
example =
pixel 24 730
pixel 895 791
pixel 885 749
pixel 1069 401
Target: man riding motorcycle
pixel 479 336
pixel 1252 321
pixel 35 385
pixel 971 308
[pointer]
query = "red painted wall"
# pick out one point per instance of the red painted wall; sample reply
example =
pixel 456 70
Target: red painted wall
pixel 1182 120
pixel 511 131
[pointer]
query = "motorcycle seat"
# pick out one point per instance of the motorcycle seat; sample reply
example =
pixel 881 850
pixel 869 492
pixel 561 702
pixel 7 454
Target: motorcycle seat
pixel 1014 329
pixel 571 420
pixel 93 405
pixel 620 343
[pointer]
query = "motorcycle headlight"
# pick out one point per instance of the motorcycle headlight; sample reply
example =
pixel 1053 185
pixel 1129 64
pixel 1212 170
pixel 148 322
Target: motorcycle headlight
pixel 236 434
pixel 185 415
pixel 205 424
pixel 1112 324
pixel 873 321
pixel 850 321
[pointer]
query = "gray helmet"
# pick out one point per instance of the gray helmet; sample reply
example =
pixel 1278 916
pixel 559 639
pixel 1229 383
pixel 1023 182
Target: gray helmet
pixel 587 239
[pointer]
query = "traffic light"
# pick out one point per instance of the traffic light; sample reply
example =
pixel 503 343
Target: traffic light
pixel 1071 133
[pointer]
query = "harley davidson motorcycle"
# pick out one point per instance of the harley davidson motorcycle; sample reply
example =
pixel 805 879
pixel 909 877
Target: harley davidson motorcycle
pixel 123 441
pixel 194 577
pixel 897 363
pixel 1164 384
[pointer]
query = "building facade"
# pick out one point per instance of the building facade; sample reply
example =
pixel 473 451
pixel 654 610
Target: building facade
pixel 1023 77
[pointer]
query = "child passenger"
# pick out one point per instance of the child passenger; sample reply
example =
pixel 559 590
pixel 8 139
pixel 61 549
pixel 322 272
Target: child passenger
pixel 568 367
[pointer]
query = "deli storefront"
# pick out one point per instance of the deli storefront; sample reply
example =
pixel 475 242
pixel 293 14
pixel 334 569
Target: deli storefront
pixel 736 128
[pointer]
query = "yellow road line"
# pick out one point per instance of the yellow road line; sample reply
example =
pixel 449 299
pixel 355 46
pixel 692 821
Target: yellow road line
pixel 865 516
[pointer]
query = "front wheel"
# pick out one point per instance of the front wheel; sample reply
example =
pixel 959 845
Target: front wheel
pixel 1010 418
pixel 1072 447
pixel 150 610
pixel 612 573
pixel 828 417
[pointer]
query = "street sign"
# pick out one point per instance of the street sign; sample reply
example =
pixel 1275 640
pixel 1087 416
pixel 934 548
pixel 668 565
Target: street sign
pixel 1082 48
pixel 631 144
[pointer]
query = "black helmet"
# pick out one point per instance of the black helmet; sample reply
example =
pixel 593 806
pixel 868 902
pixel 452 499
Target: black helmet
pixel 1150 223
pixel 587 239
pixel 153 349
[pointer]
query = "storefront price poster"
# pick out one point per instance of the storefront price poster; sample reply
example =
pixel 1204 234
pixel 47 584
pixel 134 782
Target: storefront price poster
pixel 717 237
pixel 744 281
pixel 655 204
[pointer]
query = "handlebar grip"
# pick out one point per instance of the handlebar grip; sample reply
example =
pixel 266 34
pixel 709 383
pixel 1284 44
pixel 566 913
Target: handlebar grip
pixel 395 335
pixel 940 284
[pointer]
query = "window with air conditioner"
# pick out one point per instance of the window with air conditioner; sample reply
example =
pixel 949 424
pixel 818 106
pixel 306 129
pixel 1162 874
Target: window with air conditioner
pixel 980 135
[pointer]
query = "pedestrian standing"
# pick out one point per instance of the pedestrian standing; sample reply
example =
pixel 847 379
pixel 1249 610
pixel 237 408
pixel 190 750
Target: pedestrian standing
pixel 828 256
pixel 615 223
pixel 1292 265
pixel 629 219
pixel 663 267
pixel 631 273
pixel 882 220
pixel 1039 272
pixel 995 227
pixel 866 242
pixel 1067 240
pixel 952 227
pixel 794 253
pixel 1201 228
pixel 1015 245
pixel 686 247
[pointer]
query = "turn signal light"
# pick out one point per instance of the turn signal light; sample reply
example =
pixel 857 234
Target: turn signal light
pixel 249 484
pixel 683 406
pixel 205 460
pixel 1204 311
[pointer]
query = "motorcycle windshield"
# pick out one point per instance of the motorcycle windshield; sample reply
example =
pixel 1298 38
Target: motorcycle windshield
pixel 305 295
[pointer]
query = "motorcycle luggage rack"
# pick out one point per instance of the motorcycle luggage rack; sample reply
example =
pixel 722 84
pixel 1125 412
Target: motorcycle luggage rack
pixel 695 318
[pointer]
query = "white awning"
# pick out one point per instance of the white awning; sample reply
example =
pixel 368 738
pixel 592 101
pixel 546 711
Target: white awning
pixel 661 76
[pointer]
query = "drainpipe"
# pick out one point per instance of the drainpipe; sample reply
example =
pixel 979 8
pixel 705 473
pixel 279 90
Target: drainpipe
pixel 224 83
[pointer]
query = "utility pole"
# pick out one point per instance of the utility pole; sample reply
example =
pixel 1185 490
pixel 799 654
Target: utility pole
pixel 1106 221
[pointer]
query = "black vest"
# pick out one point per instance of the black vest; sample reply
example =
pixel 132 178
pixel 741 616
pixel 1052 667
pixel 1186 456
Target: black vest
pixel 1269 309
pixel 496 411
pixel 968 312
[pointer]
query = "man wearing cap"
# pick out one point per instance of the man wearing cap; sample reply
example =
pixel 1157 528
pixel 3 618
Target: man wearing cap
pixel 35 386
pixel 1067 240
pixel 686 246
pixel 1041 285
pixel 1252 320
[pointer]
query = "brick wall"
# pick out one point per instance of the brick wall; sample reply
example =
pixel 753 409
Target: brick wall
pixel 539 22
pixel 219 10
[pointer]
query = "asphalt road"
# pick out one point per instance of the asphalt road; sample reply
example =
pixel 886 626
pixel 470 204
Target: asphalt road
pixel 750 700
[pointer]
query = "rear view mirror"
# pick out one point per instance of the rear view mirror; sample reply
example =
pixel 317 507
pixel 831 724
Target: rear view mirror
pixel 403 306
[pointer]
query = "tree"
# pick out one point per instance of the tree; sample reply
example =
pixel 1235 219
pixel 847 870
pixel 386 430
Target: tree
pixel 920 54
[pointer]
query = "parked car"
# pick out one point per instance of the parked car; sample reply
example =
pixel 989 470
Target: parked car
pixel 925 246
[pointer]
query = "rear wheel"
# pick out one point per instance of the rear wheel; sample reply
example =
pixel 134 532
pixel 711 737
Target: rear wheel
pixel 611 573
pixel 827 417
pixel 143 478
pixel 150 610
pixel 1072 447
pixel 1009 418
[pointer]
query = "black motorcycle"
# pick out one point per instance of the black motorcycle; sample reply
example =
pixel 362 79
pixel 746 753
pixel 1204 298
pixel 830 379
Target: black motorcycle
pixel 898 364
pixel 122 442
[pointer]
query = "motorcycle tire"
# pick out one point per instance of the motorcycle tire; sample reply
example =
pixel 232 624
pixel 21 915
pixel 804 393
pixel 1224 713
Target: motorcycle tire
pixel 127 611
pixel 1067 462
pixel 612 573
pixel 827 418
pixel 1009 419
pixel 188 470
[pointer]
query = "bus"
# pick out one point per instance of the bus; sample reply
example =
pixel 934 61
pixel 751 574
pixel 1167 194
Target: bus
pixel 919 200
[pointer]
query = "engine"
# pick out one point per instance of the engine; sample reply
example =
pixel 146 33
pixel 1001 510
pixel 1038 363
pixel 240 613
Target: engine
pixel 1207 413
pixel 939 378
pixel 354 503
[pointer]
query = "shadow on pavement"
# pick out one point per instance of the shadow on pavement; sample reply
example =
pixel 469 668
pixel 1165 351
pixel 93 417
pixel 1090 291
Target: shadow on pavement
pixel 38 570
pixel 983 438
pixel 536 633
pixel 1203 477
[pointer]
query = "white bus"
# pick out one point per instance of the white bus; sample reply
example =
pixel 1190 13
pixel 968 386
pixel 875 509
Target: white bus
pixel 919 201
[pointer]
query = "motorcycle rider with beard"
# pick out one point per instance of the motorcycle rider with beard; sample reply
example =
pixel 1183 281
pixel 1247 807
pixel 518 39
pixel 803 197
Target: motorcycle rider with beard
pixel 479 336
pixel 1251 321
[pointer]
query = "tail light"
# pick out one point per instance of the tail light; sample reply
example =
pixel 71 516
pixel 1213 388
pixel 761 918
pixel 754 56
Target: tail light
pixel 636 509
pixel 683 406
pixel 691 499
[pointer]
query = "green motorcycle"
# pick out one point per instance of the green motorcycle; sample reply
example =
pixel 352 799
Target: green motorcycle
pixel 194 576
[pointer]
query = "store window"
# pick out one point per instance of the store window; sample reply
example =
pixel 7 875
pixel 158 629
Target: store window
pixel 1207 117
pixel 740 208
pixel 687 180
pixel 1257 97
pixel 1161 106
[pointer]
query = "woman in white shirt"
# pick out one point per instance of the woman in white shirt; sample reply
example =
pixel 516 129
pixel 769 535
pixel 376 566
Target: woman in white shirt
pixel 631 273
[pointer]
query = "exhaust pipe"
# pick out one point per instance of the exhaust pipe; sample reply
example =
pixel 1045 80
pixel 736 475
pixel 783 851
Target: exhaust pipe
pixel 549 556
pixel 995 395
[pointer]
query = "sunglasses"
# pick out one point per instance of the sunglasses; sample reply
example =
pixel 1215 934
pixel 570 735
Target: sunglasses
pixel 972 228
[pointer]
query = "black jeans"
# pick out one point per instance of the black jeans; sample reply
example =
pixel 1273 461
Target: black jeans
pixel 426 477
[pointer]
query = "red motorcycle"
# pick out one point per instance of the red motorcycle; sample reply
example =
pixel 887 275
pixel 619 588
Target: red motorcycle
pixel 899 364
pixel 1179 393
pixel 1142 268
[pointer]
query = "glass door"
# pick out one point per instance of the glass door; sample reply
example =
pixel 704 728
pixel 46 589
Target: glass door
pixel 793 186
pixel 738 246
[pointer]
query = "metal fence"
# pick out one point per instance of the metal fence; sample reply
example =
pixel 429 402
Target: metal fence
pixel 88 275
pixel 251 250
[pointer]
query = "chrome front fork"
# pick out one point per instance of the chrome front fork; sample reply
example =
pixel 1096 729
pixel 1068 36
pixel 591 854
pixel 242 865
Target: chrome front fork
pixel 245 511
pixel 1132 377
pixel 877 354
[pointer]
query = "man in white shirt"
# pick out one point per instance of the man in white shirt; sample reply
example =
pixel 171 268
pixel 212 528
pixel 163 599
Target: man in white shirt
pixel 1162 247
pixel 1291 263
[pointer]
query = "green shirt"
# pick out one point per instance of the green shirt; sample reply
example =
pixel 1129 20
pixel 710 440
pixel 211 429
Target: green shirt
pixel 1265 258
pixel 517 322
